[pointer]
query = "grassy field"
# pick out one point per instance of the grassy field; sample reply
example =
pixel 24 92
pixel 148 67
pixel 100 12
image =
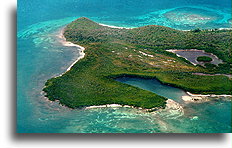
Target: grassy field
pixel 112 52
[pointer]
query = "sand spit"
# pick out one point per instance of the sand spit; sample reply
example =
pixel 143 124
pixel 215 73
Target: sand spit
pixel 203 98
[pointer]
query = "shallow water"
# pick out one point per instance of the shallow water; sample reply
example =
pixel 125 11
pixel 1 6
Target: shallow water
pixel 41 56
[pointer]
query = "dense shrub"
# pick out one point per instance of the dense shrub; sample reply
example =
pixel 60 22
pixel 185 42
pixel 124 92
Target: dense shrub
pixel 204 59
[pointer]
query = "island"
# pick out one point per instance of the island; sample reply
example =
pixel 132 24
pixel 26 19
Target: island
pixel 138 52
pixel 204 59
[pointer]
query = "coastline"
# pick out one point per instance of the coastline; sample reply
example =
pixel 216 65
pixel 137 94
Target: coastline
pixel 81 49
pixel 171 104
pixel 110 26
pixel 211 95
pixel 202 98
pixel 66 43
pixel 82 54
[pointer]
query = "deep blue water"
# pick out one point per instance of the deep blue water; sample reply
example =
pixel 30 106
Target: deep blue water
pixel 41 56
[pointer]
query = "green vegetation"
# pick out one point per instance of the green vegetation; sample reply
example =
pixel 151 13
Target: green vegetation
pixel 222 68
pixel 112 52
pixel 204 59
pixel 217 42
pixel 196 30
pixel 197 84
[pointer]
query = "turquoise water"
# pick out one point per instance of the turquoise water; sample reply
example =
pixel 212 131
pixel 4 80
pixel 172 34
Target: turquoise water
pixel 40 56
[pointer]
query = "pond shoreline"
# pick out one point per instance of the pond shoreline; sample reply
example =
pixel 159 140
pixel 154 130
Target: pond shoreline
pixel 193 58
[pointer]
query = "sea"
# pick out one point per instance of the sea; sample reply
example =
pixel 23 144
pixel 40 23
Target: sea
pixel 41 56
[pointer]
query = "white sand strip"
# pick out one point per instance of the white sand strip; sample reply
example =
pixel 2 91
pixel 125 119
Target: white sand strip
pixel 113 26
pixel 209 95
pixel 104 106
pixel 70 44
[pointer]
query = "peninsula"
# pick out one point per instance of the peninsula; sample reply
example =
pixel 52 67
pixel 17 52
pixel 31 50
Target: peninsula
pixel 138 52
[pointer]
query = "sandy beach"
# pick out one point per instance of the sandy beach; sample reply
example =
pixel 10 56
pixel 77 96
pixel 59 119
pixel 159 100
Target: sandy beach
pixel 79 48
pixel 66 43
pixel 113 26
pixel 199 97
pixel 209 95
pixel 171 105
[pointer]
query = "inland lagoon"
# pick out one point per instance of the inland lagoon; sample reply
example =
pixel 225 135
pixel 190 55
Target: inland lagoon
pixel 155 86
pixel 41 55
